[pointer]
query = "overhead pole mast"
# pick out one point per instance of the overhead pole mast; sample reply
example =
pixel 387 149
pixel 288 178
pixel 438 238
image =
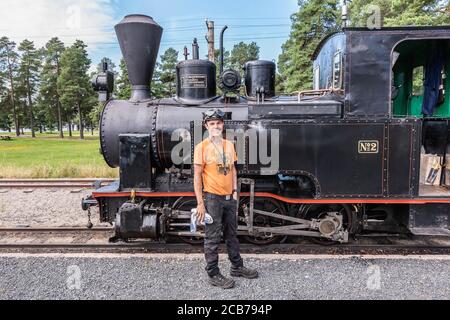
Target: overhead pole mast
pixel 210 40
pixel 344 13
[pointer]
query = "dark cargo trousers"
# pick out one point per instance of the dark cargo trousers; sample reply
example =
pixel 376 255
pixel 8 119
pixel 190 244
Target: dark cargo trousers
pixel 223 213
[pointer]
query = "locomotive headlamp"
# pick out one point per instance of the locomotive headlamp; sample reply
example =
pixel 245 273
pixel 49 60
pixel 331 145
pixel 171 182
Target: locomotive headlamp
pixel 103 83
pixel 230 80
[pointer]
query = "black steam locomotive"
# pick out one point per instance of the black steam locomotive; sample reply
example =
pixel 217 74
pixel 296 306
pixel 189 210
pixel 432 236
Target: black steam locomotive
pixel 352 155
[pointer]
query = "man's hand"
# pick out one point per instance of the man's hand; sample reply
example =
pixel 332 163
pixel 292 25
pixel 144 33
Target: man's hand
pixel 199 192
pixel 235 195
pixel 201 212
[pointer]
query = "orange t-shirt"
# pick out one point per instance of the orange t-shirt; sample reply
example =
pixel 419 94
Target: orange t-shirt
pixel 210 157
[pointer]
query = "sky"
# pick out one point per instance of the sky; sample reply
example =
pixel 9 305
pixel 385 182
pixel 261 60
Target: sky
pixel 267 22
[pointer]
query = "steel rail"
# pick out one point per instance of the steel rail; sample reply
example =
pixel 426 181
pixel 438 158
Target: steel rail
pixel 51 183
pixel 54 180
pixel 54 229
pixel 155 247
pixel 416 246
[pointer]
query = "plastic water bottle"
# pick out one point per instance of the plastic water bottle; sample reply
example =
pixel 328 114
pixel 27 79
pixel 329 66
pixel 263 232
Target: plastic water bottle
pixel 193 221
pixel 208 220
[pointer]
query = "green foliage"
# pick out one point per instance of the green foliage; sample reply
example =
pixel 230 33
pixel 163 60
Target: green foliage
pixel 29 65
pixel 94 115
pixel 6 121
pixel 314 20
pixel 74 84
pixel 226 60
pixel 242 53
pixel 123 85
pixel 49 100
pixel 399 12
pixel 157 87
pixel 9 66
pixel 166 72
pixel 29 76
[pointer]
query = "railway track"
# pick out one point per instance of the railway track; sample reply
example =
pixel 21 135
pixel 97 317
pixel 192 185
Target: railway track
pixel 52 183
pixel 97 240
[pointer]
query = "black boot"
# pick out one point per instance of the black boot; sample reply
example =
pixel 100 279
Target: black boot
pixel 244 272
pixel 220 281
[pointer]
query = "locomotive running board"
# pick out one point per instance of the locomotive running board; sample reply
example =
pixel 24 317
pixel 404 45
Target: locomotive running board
pixel 119 194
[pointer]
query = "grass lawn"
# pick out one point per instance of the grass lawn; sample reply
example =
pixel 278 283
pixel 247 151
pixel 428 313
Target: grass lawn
pixel 47 156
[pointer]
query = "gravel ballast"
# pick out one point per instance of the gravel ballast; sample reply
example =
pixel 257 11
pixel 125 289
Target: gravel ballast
pixel 183 277
pixel 44 208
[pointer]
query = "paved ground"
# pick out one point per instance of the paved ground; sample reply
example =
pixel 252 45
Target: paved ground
pixel 95 276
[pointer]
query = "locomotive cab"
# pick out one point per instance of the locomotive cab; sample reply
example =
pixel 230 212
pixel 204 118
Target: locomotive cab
pixel 419 66
pixel 421 89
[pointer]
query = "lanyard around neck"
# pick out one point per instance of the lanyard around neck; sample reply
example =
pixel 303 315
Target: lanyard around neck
pixel 223 150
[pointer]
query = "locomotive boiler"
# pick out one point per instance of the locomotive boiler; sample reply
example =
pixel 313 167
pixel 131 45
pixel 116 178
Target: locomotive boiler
pixel 345 158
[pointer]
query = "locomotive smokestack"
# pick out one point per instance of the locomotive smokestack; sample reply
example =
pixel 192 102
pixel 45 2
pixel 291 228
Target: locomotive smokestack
pixel 139 38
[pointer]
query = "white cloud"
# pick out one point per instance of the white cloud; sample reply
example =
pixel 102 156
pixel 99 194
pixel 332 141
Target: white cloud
pixel 39 20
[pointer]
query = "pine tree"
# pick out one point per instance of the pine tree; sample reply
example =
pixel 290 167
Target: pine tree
pixel 29 76
pixel 314 20
pixel 226 60
pixel 9 63
pixel 123 87
pixel 74 83
pixel 157 88
pixel 243 53
pixel 49 80
pixel 4 119
pixel 399 12
pixel 166 72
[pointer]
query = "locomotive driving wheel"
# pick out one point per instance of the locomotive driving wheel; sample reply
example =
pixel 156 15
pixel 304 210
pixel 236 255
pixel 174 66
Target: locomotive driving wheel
pixel 187 204
pixel 322 211
pixel 263 204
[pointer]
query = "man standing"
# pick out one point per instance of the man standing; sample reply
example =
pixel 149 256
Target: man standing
pixel 216 175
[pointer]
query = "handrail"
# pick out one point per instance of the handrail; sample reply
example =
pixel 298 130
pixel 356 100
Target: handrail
pixel 319 93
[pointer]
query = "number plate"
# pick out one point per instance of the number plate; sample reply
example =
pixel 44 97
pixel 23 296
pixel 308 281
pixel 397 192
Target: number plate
pixel 194 81
pixel 368 146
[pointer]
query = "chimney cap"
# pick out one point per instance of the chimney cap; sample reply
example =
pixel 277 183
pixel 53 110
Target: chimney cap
pixel 138 18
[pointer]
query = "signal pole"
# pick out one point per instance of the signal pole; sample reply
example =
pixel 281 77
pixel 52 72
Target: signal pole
pixel 210 40
pixel 345 13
